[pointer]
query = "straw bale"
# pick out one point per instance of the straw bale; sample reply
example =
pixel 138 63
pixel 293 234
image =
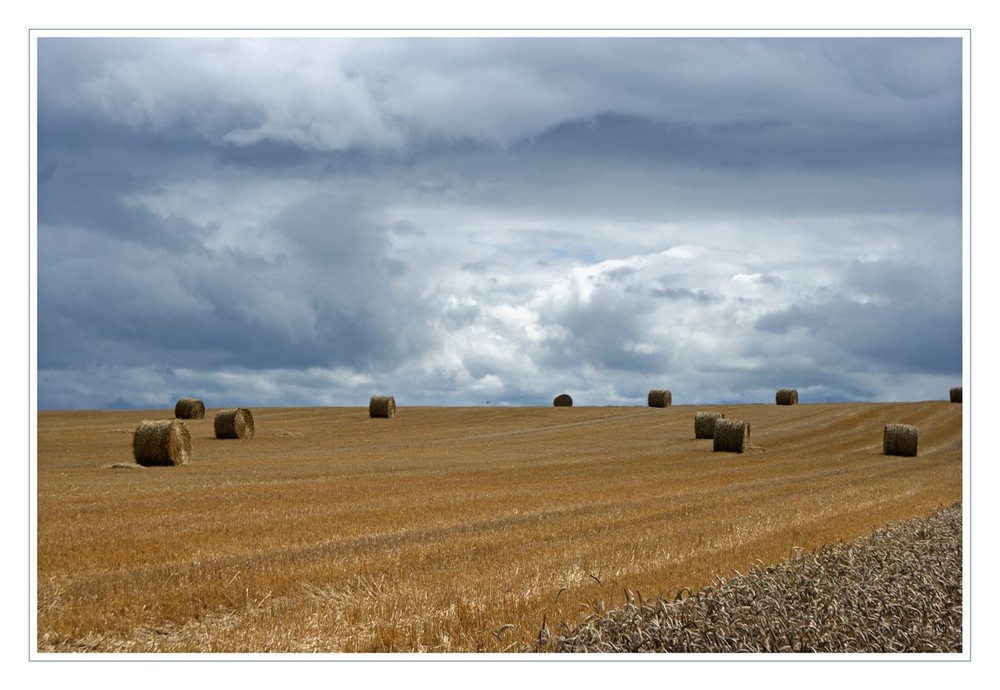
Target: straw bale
pixel 786 396
pixel 563 400
pixel 659 398
pixel 899 439
pixel 161 442
pixel 704 424
pixel 382 406
pixel 731 436
pixel 236 422
pixel 189 408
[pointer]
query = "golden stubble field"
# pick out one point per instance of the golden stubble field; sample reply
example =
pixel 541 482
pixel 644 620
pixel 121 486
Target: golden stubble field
pixel 445 529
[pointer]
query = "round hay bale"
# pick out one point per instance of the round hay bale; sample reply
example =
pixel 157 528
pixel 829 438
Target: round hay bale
pixel 786 396
pixel 704 424
pixel 956 394
pixel 562 400
pixel 189 408
pixel 382 406
pixel 659 398
pixel 731 436
pixel 161 442
pixel 899 439
pixel 234 423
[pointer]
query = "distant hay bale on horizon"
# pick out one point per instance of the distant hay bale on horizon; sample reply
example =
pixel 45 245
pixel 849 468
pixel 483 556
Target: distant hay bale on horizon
pixel 161 442
pixel 562 400
pixel 236 422
pixel 786 396
pixel 955 394
pixel 189 408
pixel 382 406
pixel 704 424
pixel 659 398
pixel 899 439
pixel 731 436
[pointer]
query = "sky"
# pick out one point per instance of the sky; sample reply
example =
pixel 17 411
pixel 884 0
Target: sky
pixel 487 220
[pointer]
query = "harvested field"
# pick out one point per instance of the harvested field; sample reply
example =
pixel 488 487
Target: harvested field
pixel 450 529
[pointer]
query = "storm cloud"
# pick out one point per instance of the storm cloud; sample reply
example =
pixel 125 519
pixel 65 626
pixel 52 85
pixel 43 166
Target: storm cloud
pixel 455 220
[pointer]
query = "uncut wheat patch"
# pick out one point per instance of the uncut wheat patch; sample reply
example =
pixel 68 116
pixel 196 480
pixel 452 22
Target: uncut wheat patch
pixel 897 590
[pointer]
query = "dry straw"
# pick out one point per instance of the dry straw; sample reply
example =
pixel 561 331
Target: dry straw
pixel 786 396
pixel 562 400
pixel 956 394
pixel 731 436
pixel 899 439
pixel 382 406
pixel 189 408
pixel 234 423
pixel 161 442
pixel 704 424
pixel 659 398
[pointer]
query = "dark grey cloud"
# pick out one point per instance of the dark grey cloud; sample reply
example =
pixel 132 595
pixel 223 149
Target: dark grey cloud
pixel 751 145
pixel 309 221
pixel 906 338
pixel 332 296
pixel 674 293
pixel 894 316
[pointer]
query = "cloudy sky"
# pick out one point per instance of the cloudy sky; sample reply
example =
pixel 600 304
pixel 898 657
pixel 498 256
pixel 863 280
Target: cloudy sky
pixel 311 221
